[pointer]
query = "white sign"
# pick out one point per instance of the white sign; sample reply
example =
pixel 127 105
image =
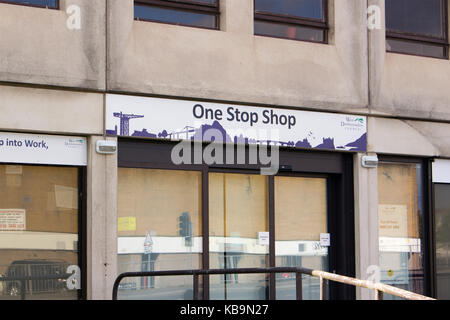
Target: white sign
pixel 325 240
pixel 12 220
pixel 263 238
pixel 43 149
pixel 441 171
pixel 190 120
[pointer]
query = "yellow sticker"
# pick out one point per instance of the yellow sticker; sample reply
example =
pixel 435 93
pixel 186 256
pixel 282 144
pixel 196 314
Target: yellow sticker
pixel 126 224
pixel 390 273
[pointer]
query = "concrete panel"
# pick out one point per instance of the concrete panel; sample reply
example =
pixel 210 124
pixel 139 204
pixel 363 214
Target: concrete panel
pixel 366 225
pixel 234 65
pixel 101 222
pixel 437 133
pixel 406 85
pixel 37 46
pixel 392 136
pixel 50 111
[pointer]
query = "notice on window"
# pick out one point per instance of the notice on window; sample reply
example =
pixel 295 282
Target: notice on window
pixel 126 224
pixel 12 220
pixel 263 238
pixel 393 220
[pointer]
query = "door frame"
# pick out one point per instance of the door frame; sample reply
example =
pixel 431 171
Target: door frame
pixel 337 167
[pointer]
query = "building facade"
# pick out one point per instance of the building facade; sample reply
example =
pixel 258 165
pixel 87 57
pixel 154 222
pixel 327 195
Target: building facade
pixel 74 73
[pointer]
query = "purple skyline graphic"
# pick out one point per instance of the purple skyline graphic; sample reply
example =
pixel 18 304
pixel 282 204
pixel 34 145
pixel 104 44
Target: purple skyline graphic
pixel 199 134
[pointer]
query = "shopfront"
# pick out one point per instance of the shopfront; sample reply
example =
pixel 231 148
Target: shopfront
pixel 41 216
pixel 186 204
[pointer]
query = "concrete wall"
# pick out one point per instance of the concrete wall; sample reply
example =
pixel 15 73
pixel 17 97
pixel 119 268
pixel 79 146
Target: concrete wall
pixel 101 222
pixel 51 111
pixel 234 65
pixel 405 85
pixel 37 47
pixel 39 55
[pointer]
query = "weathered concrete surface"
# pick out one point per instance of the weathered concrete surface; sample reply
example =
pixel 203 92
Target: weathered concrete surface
pixel 392 136
pixel 50 111
pixel 37 47
pixel 101 222
pixel 234 65
pixel 405 85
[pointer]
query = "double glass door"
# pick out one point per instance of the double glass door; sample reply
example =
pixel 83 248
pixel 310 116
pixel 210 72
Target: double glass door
pixel 223 219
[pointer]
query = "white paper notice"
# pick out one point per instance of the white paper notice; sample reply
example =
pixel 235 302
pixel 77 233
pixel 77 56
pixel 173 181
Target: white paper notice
pixel 12 219
pixel 325 239
pixel 263 238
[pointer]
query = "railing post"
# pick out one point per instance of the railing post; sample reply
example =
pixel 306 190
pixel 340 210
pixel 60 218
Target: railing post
pixel 378 295
pixel 195 287
pixel 22 289
pixel 298 287
pixel 323 289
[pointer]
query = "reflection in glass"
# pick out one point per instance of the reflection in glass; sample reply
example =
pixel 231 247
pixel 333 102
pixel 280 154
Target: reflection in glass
pixel 289 31
pixel 238 212
pixel 159 228
pixel 299 8
pixel 400 225
pixel 415 16
pixel 168 15
pixel 300 218
pixel 442 227
pixel 38 230
pixel 416 48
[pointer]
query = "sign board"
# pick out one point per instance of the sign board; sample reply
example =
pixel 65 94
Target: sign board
pixel 42 149
pixel 159 118
pixel 12 220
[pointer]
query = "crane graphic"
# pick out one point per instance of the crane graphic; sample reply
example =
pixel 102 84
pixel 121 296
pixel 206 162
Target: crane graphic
pixel 125 122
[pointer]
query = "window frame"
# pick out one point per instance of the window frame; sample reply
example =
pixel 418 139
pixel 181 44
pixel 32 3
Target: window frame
pixel 336 168
pixel 424 39
pixel 264 16
pixel 182 5
pixel 427 227
pixel 57 7
pixel 82 249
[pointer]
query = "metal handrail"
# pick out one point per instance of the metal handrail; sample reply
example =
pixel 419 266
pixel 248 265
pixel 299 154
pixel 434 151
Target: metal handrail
pixel 379 288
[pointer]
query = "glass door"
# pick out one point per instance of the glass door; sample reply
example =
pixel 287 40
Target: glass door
pixel 239 225
pixel 300 219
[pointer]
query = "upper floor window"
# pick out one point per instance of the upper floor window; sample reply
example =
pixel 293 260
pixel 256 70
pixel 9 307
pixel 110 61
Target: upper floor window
pixel 35 3
pixel 417 27
pixel 195 13
pixel 292 19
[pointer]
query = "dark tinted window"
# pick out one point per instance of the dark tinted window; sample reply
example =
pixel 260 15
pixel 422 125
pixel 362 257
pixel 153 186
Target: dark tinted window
pixel 198 13
pixel 291 19
pixel 300 8
pixel 442 227
pixel 415 16
pixel 417 27
pixel 40 3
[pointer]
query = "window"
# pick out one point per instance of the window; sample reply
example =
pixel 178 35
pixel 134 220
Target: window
pixel 417 27
pixel 292 19
pixel 39 231
pixel 195 13
pixel 35 3
pixel 402 225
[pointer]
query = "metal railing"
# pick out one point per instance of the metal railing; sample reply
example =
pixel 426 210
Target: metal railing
pixel 323 276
